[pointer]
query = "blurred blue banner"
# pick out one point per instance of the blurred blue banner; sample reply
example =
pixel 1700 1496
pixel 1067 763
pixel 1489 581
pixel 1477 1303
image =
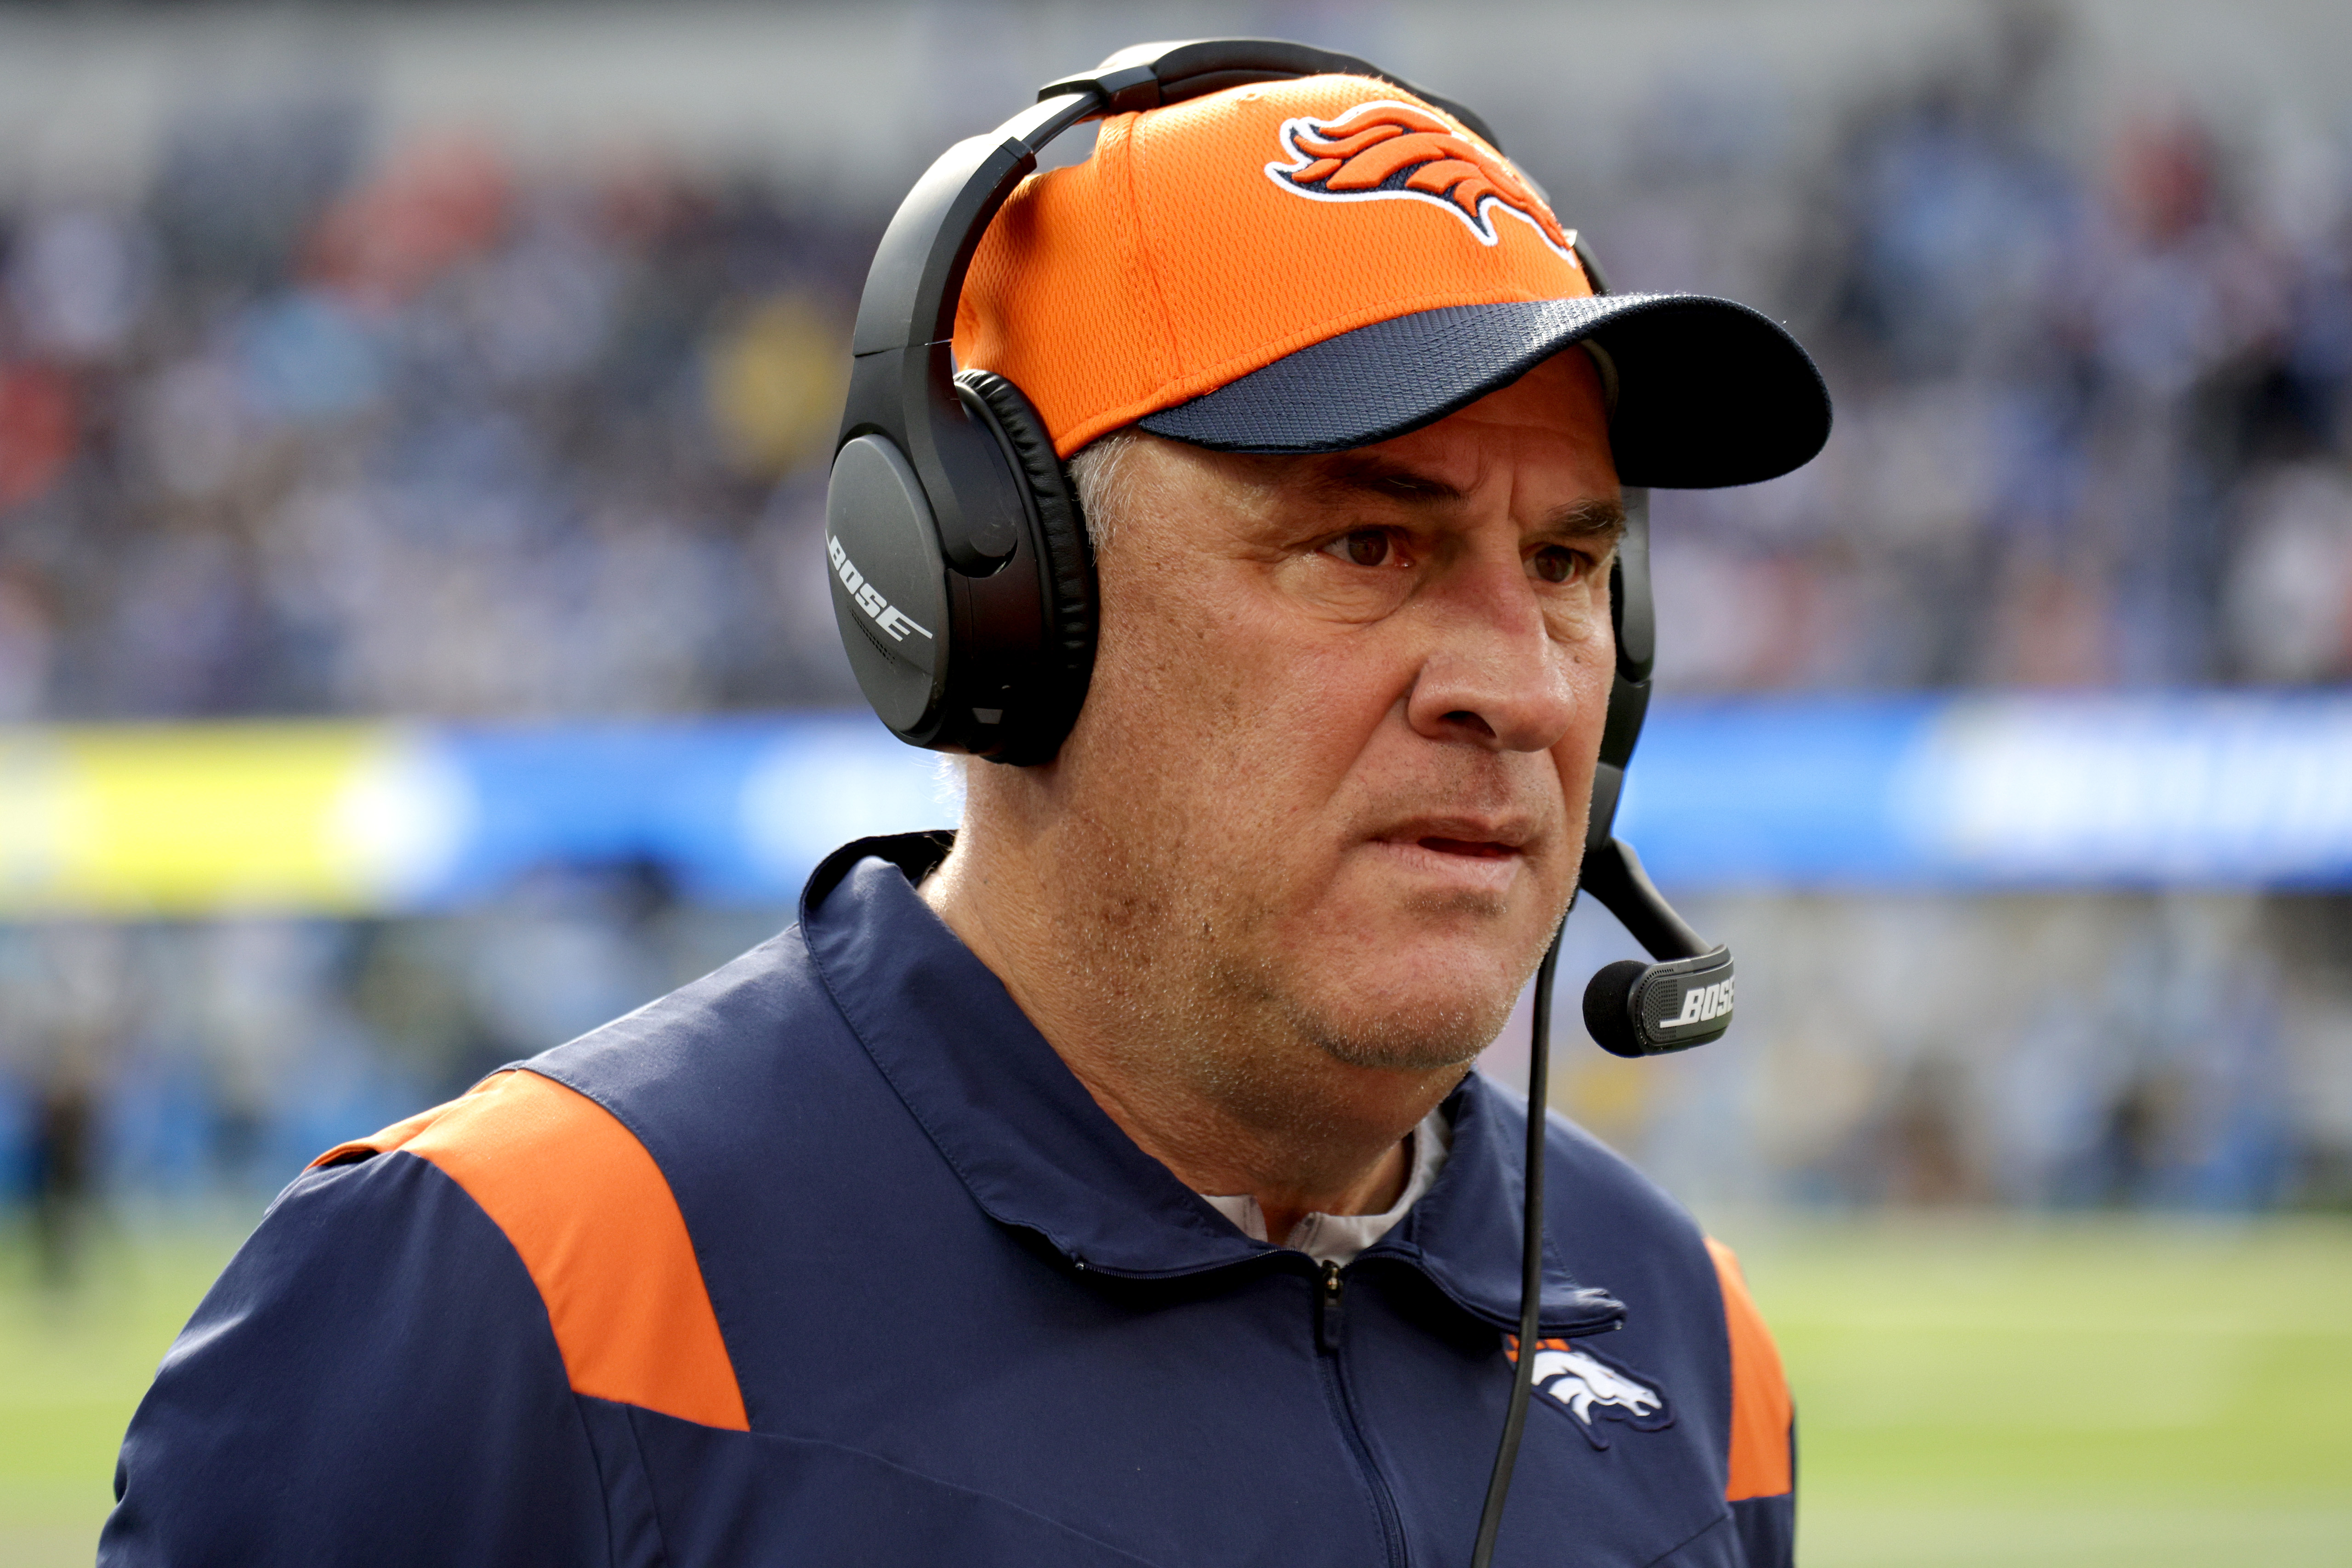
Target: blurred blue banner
pixel 736 810
pixel 2215 790
pixel 2203 789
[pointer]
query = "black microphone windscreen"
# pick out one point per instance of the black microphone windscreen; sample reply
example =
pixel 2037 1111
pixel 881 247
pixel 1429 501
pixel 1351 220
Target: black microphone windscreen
pixel 1608 1010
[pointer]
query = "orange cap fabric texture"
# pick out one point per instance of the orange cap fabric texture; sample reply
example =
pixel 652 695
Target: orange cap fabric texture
pixel 1209 239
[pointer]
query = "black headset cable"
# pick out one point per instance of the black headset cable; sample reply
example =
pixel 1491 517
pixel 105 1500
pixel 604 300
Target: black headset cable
pixel 1498 1487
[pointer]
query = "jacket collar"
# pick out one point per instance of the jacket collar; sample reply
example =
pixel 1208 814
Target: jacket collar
pixel 1022 1133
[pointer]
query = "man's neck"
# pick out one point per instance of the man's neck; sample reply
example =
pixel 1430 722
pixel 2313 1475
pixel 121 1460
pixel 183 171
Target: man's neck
pixel 1228 1103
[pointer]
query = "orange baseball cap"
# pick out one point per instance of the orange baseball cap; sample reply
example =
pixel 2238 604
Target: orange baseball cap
pixel 1327 262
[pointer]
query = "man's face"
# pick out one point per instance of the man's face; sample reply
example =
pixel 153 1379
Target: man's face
pixel 1335 761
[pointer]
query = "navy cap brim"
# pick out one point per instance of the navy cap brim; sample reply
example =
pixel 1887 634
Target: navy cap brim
pixel 1709 393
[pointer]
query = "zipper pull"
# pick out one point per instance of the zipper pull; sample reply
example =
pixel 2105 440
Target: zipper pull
pixel 1329 1292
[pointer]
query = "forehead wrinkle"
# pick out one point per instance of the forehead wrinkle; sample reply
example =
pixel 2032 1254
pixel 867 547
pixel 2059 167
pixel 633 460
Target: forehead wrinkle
pixel 1339 478
pixel 1348 474
pixel 1358 473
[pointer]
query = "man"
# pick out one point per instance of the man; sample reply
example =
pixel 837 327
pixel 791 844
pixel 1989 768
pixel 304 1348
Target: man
pixel 1106 1183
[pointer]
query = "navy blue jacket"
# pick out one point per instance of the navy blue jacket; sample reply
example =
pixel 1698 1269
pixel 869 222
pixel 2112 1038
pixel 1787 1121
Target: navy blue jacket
pixel 827 1259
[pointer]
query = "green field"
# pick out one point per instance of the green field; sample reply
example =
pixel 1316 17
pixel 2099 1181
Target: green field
pixel 2066 1391
pixel 1971 1390
pixel 73 1362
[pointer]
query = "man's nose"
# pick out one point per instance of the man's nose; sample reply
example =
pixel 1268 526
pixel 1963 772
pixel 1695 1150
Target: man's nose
pixel 1492 672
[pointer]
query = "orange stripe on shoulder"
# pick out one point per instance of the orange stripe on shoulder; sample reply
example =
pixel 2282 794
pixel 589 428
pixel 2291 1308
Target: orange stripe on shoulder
pixel 597 1224
pixel 1760 1408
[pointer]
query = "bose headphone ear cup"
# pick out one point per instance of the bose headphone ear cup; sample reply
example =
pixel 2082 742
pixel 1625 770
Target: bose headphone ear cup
pixel 1066 560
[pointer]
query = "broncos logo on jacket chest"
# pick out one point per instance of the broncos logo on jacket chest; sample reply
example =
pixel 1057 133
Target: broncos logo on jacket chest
pixel 1589 1388
pixel 1387 150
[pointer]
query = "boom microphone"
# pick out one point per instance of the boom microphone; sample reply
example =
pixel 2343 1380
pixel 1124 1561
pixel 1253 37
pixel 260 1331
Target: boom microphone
pixel 1632 1008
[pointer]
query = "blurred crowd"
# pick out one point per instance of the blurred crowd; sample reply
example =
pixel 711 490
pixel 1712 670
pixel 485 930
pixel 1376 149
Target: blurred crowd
pixel 2091 380
pixel 306 433
pixel 2181 1051
pixel 2136 1051
pixel 187 1059
pixel 317 426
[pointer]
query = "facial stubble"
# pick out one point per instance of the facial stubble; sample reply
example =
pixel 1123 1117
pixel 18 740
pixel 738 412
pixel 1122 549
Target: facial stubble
pixel 1191 948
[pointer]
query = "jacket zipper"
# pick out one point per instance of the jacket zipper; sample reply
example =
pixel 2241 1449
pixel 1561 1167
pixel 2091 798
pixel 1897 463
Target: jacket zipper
pixel 1330 1300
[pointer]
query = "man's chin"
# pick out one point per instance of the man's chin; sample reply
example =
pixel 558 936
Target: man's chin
pixel 1407 1033
pixel 1409 989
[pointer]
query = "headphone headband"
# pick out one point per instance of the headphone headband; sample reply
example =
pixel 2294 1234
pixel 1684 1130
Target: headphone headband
pixel 1146 76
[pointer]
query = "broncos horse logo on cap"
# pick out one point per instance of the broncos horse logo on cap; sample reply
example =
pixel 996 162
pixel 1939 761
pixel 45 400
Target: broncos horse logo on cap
pixel 1385 149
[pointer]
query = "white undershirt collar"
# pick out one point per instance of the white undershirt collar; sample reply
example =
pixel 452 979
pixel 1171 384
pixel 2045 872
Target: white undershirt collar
pixel 1337 1238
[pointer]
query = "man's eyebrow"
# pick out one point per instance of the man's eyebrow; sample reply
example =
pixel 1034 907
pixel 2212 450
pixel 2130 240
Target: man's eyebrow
pixel 1595 518
pixel 1599 518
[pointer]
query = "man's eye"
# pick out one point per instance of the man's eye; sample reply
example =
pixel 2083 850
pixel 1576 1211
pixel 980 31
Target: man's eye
pixel 1557 563
pixel 1367 547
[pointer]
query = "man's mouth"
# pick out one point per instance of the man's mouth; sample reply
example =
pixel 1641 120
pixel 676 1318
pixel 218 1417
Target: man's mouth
pixel 1481 858
pixel 1475 848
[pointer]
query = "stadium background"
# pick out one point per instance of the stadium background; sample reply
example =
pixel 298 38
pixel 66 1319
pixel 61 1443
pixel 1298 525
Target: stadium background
pixel 411 653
